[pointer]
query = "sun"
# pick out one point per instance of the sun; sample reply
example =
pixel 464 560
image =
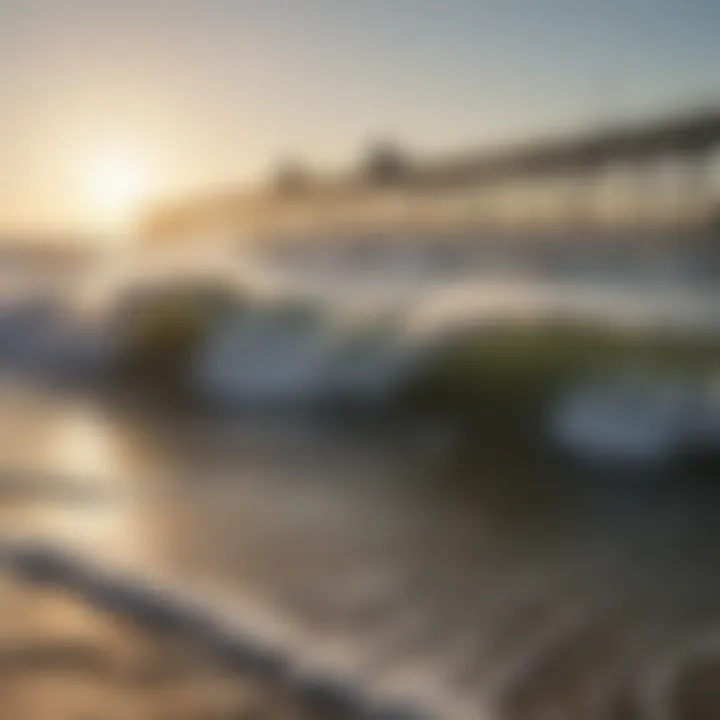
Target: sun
pixel 116 185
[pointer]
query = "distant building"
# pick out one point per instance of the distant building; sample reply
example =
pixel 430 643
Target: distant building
pixel 290 178
pixel 385 164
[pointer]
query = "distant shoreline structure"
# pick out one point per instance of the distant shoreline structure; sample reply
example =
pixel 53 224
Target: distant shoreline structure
pixel 609 178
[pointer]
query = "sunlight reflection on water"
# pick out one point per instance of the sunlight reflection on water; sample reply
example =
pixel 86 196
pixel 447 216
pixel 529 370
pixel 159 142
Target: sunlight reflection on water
pixel 82 446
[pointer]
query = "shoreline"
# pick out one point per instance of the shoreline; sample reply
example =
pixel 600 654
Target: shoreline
pixel 165 615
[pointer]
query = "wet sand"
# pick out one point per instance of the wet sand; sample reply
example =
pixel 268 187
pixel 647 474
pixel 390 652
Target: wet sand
pixel 75 645
pixel 60 659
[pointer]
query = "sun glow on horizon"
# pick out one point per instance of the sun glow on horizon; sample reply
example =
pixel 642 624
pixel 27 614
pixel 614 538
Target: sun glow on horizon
pixel 115 185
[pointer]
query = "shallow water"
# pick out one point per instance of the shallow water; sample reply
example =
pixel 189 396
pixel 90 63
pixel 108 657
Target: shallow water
pixel 500 588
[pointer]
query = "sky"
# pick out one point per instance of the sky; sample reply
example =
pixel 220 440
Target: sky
pixel 111 101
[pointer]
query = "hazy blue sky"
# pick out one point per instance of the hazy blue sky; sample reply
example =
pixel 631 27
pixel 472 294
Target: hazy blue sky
pixel 205 92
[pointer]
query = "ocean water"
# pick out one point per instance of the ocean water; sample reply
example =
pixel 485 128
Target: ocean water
pixel 499 590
